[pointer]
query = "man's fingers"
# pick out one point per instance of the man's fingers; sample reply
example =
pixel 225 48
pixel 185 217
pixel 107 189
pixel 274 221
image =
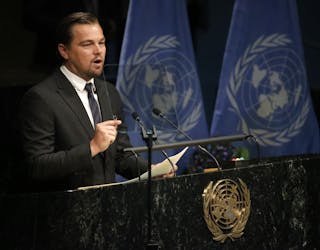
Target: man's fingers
pixel 114 123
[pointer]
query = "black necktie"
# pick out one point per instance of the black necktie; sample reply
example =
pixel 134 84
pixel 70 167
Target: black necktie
pixel 93 104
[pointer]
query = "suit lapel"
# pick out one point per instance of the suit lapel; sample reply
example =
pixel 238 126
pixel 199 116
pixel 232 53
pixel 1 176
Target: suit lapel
pixel 71 98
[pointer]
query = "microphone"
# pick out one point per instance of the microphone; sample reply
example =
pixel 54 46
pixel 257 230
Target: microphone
pixel 160 114
pixel 136 117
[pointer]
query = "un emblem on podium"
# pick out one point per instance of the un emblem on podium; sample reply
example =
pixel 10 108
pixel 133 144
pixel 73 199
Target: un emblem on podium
pixel 226 208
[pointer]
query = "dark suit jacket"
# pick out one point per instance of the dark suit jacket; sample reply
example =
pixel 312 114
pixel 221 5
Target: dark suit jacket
pixel 56 132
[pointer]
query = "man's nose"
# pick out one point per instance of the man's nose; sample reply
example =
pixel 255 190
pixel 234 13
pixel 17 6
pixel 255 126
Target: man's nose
pixel 98 48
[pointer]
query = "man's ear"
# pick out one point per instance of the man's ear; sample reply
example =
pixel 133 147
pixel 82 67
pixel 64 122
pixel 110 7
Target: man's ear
pixel 63 51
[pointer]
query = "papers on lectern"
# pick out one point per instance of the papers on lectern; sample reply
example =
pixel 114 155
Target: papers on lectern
pixel 161 168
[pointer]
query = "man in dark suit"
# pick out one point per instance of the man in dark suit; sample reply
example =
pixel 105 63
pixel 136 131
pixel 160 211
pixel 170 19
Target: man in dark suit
pixel 64 145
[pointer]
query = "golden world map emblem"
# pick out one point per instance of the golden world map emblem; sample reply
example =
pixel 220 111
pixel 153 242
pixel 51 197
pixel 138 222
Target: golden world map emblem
pixel 226 208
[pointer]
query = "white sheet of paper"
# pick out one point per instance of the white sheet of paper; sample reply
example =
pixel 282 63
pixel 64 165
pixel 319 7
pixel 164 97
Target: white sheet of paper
pixel 161 168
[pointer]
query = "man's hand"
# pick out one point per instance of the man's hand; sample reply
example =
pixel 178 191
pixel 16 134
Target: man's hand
pixel 105 135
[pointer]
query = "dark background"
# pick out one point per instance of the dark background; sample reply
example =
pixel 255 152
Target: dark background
pixel 28 52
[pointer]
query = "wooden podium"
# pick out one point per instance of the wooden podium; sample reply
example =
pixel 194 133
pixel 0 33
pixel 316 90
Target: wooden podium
pixel 284 195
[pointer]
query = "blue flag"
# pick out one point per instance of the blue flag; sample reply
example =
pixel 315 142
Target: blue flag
pixel 157 70
pixel 263 88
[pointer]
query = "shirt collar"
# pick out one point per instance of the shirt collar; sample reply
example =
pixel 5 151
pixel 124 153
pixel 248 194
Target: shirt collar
pixel 77 82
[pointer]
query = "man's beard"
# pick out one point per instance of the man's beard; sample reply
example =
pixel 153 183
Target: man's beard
pixel 91 73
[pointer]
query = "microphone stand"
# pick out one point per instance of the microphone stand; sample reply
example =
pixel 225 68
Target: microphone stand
pixel 149 136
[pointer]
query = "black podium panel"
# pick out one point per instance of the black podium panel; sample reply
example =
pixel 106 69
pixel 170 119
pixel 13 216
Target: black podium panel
pixel 284 212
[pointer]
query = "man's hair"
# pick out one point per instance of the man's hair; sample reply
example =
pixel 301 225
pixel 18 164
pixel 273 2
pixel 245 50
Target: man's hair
pixel 64 28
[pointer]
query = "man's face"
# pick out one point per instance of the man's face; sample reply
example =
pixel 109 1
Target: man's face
pixel 85 54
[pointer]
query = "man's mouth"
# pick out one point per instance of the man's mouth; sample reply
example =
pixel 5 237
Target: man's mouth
pixel 97 61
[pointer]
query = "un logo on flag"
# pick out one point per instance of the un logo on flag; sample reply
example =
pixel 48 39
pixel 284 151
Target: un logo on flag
pixel 159 74
pixel 268 90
